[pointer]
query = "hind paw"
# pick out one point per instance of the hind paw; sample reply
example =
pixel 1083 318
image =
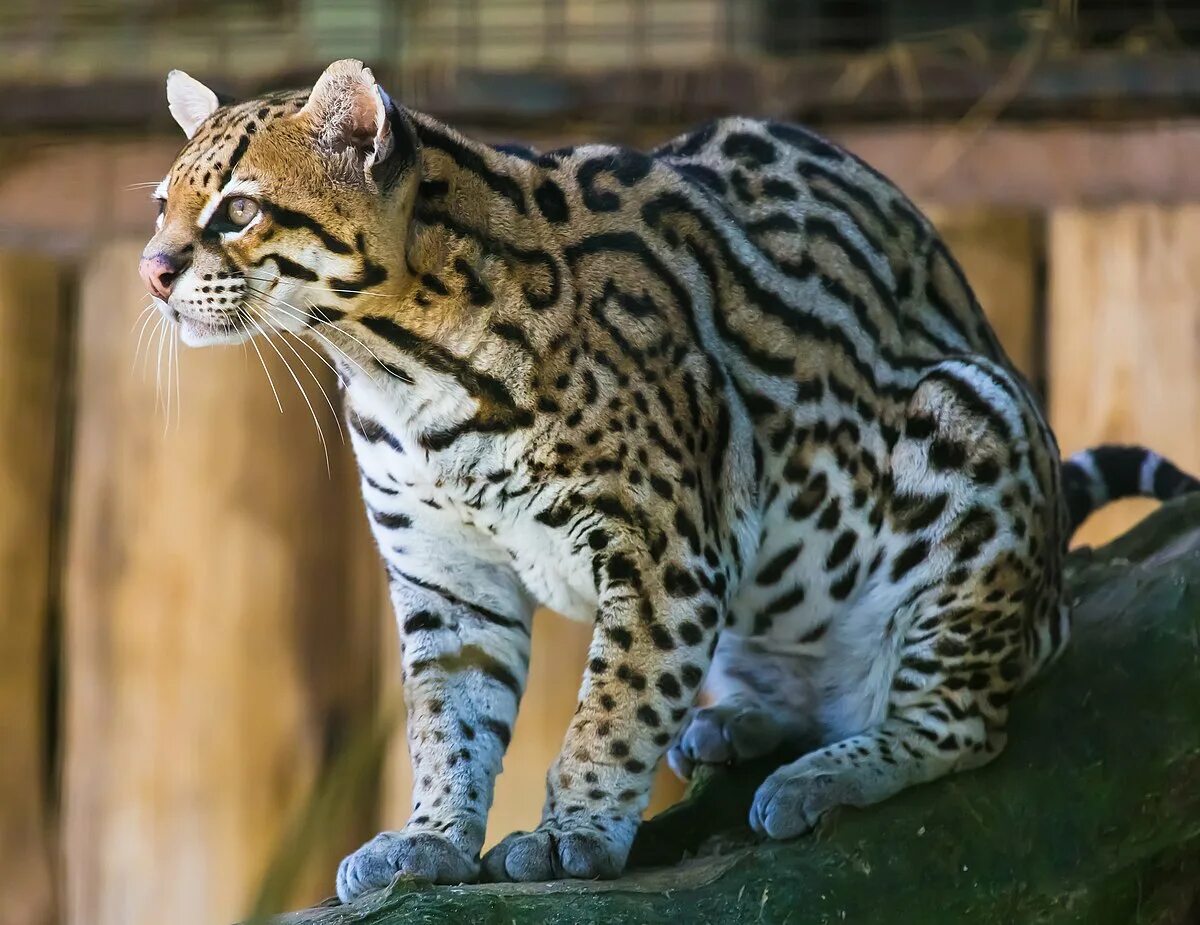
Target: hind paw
pixel 725 733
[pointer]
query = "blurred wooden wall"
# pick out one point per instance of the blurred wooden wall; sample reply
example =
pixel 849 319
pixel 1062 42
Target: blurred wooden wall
pixel 33 336
pixel 193 617
pixel 1124 336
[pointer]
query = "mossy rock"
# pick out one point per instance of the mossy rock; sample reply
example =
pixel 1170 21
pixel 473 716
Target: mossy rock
pixel 1091 815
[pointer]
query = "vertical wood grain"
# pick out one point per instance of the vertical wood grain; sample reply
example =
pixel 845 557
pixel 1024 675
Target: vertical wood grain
pixel 220 633
pixel 32 333
pixel 1124 337
pixel 998 251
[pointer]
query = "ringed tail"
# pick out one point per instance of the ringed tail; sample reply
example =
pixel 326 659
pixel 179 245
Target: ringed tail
pixel 1093 477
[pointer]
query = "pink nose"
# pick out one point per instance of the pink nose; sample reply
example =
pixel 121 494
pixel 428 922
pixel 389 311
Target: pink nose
pixel 159 274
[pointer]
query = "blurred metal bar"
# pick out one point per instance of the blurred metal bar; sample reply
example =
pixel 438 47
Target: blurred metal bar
pixel 100 62
pixel 1104 87
pixel 91 37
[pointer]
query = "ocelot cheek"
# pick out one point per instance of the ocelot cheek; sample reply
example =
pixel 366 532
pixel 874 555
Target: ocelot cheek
pixel 241 259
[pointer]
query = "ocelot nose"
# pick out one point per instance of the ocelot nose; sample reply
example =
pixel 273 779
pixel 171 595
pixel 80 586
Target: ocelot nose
pixel 159 273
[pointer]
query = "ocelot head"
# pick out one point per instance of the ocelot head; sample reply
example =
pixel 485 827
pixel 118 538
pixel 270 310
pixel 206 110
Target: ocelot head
pixel 275 206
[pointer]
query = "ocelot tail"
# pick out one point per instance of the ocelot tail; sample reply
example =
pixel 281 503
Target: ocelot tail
pixel 731 401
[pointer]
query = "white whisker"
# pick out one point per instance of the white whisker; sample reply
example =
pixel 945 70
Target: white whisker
pixel 300 386
pixel 320 385
pixel 158 323
pixel 299 339
pixel 315 352
pixel 170 381
pixel 250 338
pixel 304 318
pixel 142 314
pixel 145 317
pixel 162 341
pixel 178 385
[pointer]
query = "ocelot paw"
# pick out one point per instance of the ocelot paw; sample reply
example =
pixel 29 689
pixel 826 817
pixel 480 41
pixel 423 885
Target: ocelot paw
pixel 424 854
pixel 724 733
pixel 555 851
pixel 796 797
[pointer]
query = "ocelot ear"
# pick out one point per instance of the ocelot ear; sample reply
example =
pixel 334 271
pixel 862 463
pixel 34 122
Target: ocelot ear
pixel 352 116
pixel 189 101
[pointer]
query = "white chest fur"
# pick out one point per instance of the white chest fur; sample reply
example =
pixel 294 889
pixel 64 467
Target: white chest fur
pixel 450 500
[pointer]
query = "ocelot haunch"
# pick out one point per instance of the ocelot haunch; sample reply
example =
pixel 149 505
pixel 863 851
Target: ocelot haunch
pixel 731 401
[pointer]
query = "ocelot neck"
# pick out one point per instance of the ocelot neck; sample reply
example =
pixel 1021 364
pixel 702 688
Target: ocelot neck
pixel 472 273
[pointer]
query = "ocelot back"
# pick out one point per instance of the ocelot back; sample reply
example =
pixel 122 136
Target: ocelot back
pixel 732 401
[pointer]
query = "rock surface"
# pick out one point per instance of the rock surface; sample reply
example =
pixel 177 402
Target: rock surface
pixel 1091 815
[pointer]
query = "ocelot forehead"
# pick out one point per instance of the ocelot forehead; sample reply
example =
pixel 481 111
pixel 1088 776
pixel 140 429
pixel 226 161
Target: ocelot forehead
pixel 207 161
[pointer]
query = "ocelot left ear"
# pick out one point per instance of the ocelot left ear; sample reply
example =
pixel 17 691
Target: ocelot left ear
pixel 189 101
pixel 352 120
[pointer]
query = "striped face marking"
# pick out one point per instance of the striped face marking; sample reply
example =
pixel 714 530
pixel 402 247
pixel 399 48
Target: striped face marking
pixel 250 212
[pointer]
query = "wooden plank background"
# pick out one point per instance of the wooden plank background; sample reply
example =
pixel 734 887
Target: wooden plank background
pixel 33 331
pixel 1124 337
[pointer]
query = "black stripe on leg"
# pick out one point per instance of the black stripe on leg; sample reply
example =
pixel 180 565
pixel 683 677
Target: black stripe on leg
pixel 484 613
pixel 466 659
pixel 500 729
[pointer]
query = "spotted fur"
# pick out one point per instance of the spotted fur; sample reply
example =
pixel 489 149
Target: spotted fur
pixel 731 401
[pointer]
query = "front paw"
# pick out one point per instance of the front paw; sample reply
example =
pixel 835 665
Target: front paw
pixel 423 854
pixel 555 852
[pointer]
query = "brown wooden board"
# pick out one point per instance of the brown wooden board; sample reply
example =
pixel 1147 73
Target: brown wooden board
pixel 1124 336
pixel 32 379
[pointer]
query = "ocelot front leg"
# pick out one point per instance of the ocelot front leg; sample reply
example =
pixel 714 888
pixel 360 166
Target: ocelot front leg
pixel 464 631
pixel 962 607
pixel 655 630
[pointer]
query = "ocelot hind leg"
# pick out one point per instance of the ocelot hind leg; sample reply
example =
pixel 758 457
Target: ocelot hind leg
pixel 966 603
pixel 761 697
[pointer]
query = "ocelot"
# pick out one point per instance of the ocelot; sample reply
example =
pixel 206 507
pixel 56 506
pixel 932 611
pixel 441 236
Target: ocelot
pixel 731 401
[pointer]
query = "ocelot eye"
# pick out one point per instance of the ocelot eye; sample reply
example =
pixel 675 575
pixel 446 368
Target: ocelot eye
pixel 241 210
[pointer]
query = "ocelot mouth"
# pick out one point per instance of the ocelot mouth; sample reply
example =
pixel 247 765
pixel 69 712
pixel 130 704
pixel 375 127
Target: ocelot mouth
pixel 196 332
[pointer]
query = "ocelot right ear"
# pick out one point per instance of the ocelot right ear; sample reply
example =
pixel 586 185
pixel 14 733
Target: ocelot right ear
pixel 354 122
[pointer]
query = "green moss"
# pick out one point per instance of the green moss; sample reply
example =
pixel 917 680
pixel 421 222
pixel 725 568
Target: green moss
pixel 1091 815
